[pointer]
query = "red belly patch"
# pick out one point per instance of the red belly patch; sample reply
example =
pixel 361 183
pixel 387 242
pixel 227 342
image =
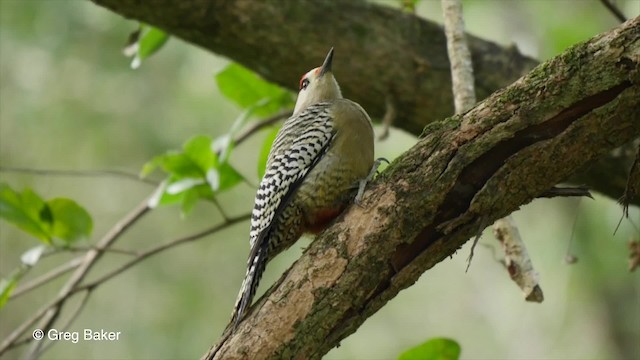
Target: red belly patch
pixel 322 218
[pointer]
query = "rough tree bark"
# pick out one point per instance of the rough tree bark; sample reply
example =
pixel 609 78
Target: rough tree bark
pixel 381 53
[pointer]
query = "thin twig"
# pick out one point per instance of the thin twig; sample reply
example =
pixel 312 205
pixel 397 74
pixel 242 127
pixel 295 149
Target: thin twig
pixel 72 318
pixel 160 248
pixel 258 125
pixel 24 341
pixel 89 248
pixel 569 258
pixel 389 117
pixel 79 173
pixel 459 56
pixel 613 8
pixel 220 209
pixel 575 191
pixel 45 278
pixel 631 190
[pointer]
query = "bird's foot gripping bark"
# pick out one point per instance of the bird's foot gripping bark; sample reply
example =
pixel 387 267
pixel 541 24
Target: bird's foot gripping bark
pixel 362 184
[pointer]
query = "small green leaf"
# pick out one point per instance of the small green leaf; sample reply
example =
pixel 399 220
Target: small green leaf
pixel 194 161
pixel 27 211
pixel 434 349
pixel 60 218
pixel 192 196
pixel 247 89
pixel 409 5
pixel 70 221
pixel 223 145
pixel 6 288
pixel 199 150
pixel 180 165
pixel 264 151
pixel 189 200
pixel 183 185
pixel 149 41
pixel 161 197
pixel 168 199
pixel 229 177
pixel 150 166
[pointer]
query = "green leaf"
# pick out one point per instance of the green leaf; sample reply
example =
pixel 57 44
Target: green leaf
pixel 7 286
pixel 195 173
pixel 149 42
pixel 57 218
pixel 223 145
pixel 168 199
pixel 264 151
pixel 194 161
pixel 152 40
pixel 192 196
pixel 27 211
pixel 434 349
pixel 183 184
pixel 70 221
pixel 150 166
pixel 229 177
pixel 248 90
pixel 162 197
pixel 199 150
pixel 409 5
pixel 180 165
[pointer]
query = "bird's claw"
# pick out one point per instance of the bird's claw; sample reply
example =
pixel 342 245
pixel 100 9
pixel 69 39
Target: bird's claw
pixel 363 183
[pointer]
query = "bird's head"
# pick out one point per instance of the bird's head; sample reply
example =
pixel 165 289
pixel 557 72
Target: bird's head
pixel 318 85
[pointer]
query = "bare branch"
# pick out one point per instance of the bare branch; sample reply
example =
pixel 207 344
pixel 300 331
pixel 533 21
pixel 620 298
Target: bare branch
pixel 389 117
pixel 459 56
pixel 79 173
pixel 45 278
pixel 72 318
pixel 158 249
pixel 517 259
pixel 613 8
pixel 258 125
pixel 573 191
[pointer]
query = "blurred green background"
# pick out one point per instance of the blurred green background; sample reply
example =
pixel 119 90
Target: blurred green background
pixel 69 100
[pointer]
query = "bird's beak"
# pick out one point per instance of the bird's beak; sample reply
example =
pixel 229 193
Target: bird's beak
pixel 326 66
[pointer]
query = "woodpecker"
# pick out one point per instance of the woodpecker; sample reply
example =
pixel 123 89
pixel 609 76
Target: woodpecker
pixel 322 153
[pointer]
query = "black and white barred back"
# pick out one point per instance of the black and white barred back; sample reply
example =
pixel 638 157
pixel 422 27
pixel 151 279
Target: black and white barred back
pixel 275 222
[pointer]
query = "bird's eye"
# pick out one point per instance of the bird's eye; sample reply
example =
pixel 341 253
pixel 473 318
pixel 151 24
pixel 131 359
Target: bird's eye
pixel 304 83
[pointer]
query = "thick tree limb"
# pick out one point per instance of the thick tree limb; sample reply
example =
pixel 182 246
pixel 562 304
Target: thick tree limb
pixel 395 52
pixel 379 52
pixel 465 173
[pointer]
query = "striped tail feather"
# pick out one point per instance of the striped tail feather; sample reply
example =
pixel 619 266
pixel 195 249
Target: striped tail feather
pixel 256 266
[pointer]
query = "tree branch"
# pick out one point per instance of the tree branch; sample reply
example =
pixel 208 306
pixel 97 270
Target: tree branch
pixel 406 55
pixel 480 166
pixel 461 65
